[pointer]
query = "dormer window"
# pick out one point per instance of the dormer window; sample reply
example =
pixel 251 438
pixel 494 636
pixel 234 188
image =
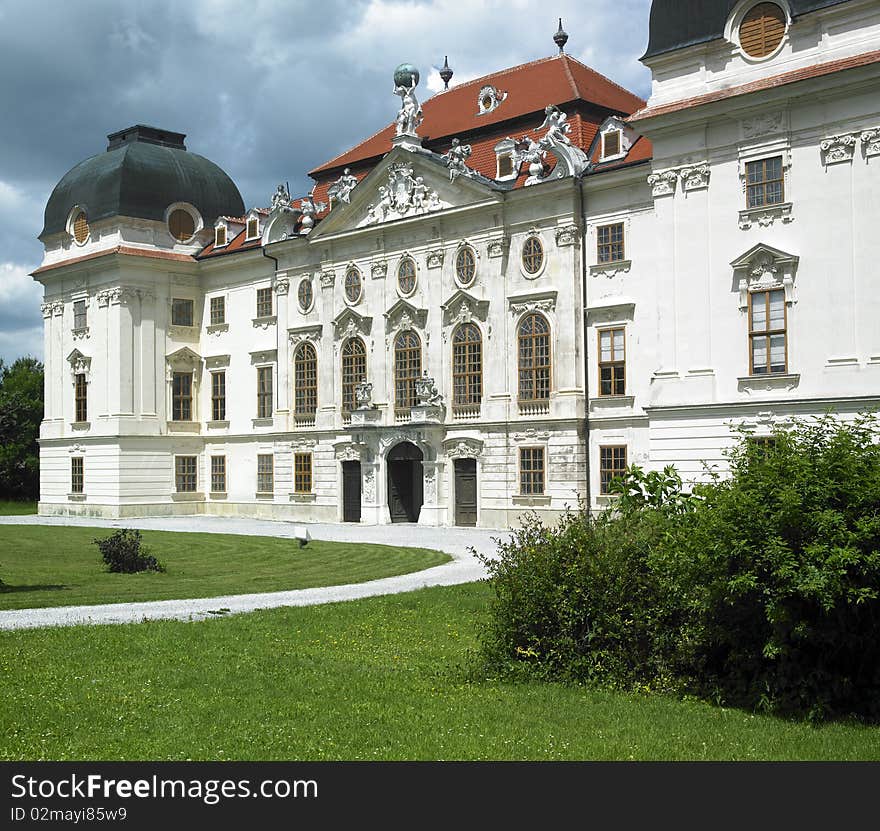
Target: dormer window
pixel 253 228
pixel 488 99
pixel 611 144
pixel 762 30
pixel 219 236
pixel 505 153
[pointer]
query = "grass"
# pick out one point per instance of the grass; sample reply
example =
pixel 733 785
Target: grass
pixel 383 678
pixel 13 508
pixel 61 566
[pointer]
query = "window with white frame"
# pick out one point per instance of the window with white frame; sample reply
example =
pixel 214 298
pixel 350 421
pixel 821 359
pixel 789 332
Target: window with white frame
pixel 532 471
pixel 218 474
pixel 265 473
pixel 80 320
pixel 218 310
pixel 185 474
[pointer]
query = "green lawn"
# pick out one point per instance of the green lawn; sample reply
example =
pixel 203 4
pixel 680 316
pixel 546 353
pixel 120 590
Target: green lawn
pixel 383 678
pixel 8 508
pixel 61 566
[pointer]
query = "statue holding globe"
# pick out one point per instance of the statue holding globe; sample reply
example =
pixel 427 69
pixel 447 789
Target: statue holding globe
pixel 406 77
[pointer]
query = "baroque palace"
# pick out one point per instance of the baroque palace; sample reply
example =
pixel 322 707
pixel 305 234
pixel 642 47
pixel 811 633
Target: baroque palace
pixel 493 305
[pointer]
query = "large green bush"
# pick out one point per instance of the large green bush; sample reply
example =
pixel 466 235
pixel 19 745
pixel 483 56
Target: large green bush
pixel 124 553
pixel 759 590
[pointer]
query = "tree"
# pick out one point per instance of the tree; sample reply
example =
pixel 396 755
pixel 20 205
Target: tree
pixel 21 411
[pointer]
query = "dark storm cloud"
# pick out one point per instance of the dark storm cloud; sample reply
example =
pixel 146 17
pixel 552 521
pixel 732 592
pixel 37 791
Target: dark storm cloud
pixel 268 90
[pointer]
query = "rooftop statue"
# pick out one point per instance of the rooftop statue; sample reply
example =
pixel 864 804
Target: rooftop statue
pixel 341 189
pixel 281 198
pixel 406 77
pixel 557 128
pixel 309 208
pixel 455 159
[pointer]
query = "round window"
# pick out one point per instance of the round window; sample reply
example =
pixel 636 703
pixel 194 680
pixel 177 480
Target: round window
pixel 81 228
pixel 353 285
pixel 406 276
pixel 532 255
pixel 762 30
pixel 466 265
pixel 304 295
pixel 181 225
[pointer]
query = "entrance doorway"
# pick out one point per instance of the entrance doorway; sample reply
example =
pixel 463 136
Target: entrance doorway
pixel 405 482
pixel 465 491
pixel 351 491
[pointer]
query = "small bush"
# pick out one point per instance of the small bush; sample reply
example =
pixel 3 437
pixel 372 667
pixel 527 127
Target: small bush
pixel 124 552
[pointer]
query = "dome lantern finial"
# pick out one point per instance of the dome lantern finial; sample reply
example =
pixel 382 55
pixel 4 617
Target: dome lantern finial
pixel 560 38
pixel 446 73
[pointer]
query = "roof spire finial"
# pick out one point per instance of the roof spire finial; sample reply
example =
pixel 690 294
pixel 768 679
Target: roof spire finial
pixel 446 73
pixel 560 38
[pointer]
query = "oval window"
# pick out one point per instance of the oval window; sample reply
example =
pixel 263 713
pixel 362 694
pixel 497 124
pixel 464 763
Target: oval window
pixel 181 225
pixel 532 255
pixel 304 295
pixel 353 285
pixel 762 30
pixel 406 276
pixel 81 228
pixel 466 266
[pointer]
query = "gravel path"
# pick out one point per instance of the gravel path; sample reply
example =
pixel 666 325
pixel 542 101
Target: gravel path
pixel 464 568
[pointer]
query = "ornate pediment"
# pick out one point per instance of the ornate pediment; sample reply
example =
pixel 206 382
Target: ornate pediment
pixel 540 301
pixel 463 448
pixel 184 357
pixel 298 334
pixel 349 323
pixel 462 307
pixel 763 267
pixel 78 362
pixel 403 315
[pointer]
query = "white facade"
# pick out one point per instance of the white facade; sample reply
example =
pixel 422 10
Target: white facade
pixel 678 296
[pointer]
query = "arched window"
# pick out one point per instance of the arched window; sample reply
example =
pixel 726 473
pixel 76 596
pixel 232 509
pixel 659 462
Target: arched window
pixel 467 366
pixel 534 358
pixel 407 369
pixel 305 376
pixel 354 370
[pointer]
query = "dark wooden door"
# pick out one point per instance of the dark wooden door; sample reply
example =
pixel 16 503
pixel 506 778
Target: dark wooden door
pixel 351 491
pixel 465 491
pixel 405 483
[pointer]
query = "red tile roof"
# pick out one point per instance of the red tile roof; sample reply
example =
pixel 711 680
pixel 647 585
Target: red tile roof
pixel 815 71
pixel 237 243
pixel 530 87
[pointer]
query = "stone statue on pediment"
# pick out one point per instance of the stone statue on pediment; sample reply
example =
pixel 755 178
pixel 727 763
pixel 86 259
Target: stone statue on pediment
pixel 455 159
pixel 341 189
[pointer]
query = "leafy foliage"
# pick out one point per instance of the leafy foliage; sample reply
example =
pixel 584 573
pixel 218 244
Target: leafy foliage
pixel 21 411
pixel 123 552
pixel 761 589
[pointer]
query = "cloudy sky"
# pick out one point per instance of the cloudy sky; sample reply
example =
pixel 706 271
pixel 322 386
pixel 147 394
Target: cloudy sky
pixel 267 89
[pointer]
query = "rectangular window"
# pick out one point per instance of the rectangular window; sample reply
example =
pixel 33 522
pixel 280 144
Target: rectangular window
pixel 218 396
pixel 181 396
pixel 218 474
pixel 505 165
pixel 610 243
pixel 302 472
pixel 218 310
pixel 81 398
pixel 612 362
pixel 610 143
pixel 264 392
pixel 252 229
pixel 265 473
pixel 612 463
pixel 76 474
pixel 181 312
pixel 185 478
pixel 531 471
pixel 264 302
pixel 219 236
pixel 79 314
pixel 767 335
pixel 764 185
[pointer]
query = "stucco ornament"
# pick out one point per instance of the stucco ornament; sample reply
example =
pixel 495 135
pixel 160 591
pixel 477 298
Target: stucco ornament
pixel 427 392
pixel 405 195
pixel 341 189
pixel 409 116
pixel 363 394
pixel 309 209
pixel 530 152
pixel 838 148
pixel 455 159
pixel 572 161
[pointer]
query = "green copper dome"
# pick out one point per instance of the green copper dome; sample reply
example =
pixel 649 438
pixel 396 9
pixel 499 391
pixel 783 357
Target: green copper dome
pixel 143 171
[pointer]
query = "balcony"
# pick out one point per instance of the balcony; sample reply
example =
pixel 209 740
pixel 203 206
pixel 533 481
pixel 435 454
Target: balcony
pixel 305 419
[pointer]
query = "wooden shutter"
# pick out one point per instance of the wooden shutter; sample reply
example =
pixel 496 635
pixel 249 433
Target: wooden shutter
pixel 762 29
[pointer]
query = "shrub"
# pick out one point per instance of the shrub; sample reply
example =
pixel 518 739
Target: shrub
pixel 759 590
pixel 124 552
pixel 782 566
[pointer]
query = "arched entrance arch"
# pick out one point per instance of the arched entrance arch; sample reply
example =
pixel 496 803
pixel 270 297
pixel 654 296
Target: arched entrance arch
pixel 405 482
